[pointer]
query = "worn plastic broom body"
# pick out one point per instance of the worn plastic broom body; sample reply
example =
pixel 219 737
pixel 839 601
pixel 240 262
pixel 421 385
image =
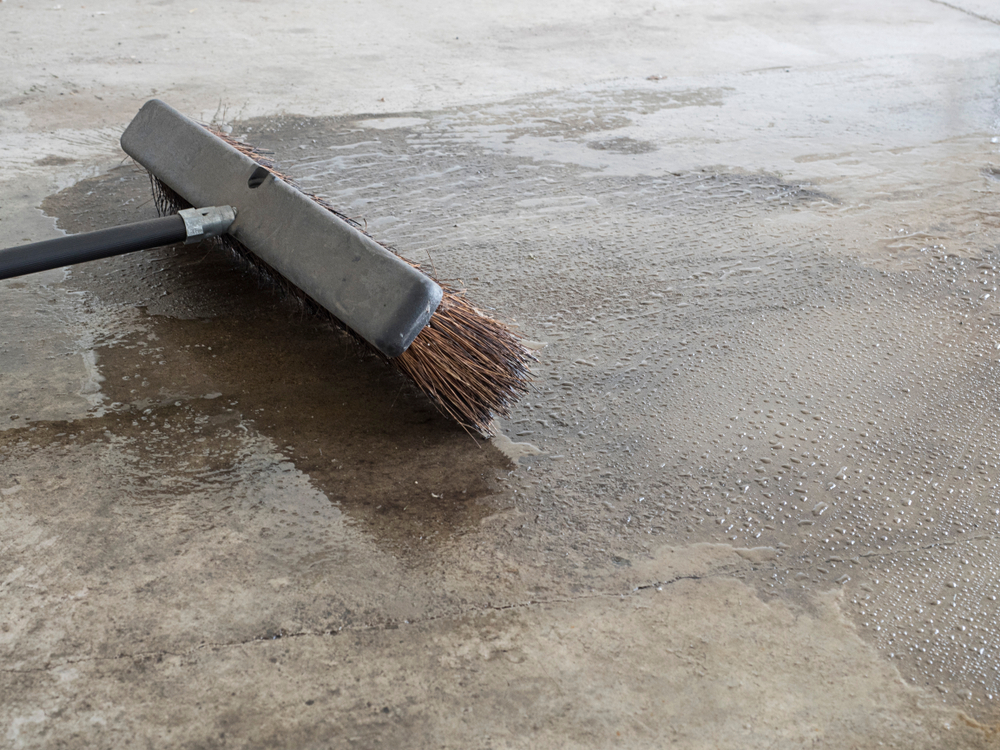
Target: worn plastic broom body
pixel 377 295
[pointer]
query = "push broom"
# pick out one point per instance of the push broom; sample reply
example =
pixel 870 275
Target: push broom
pixel 472 367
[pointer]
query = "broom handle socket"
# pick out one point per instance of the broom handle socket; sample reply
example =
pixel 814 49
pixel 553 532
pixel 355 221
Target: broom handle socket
pixel 190 226
pixel 200 223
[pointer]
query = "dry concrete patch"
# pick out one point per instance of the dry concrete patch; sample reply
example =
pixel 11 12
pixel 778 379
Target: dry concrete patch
pixel 703 664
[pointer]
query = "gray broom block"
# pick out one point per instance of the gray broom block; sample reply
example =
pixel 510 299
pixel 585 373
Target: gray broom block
pixel 378 295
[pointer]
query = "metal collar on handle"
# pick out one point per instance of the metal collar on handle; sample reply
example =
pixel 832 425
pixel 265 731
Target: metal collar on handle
pixel 202 223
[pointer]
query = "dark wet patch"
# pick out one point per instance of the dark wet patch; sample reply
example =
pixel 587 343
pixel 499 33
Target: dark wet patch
pixel 121 195
pixel 622 145
pixel 54 161
pixel 180 281
pixel 410 481
pixel 560 115
pixel 359 431
pixel 364 436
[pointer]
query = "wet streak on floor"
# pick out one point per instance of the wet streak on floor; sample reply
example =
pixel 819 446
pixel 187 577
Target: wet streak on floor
pixel 730 358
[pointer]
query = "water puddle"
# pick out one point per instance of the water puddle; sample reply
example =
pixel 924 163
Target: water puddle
pixel 182 330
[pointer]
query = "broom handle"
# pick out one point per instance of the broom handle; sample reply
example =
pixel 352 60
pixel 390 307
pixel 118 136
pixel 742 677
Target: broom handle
pixel 189 225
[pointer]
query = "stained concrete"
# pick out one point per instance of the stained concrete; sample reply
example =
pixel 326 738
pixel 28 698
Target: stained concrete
pixel 752 501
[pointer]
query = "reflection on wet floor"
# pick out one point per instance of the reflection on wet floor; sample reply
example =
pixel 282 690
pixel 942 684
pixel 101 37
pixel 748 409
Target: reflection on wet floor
pixel 355 428
pixel 729 358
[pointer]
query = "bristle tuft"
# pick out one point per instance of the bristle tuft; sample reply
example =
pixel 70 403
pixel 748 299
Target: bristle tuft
pixel 471 366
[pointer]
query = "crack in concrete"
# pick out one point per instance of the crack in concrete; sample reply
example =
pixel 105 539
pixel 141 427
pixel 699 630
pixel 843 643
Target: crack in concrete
pixel 389 625
pixel 967 12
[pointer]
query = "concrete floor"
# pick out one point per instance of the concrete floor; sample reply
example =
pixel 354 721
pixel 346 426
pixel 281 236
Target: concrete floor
pixel 753 500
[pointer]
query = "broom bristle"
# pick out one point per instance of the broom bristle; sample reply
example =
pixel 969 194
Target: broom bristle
pixel 473 368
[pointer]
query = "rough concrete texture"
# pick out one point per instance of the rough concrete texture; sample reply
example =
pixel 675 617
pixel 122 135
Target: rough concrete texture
pixel 753 500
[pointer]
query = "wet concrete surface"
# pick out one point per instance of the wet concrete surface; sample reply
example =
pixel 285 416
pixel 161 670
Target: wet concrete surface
pixel 721 367
pixel 754 500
